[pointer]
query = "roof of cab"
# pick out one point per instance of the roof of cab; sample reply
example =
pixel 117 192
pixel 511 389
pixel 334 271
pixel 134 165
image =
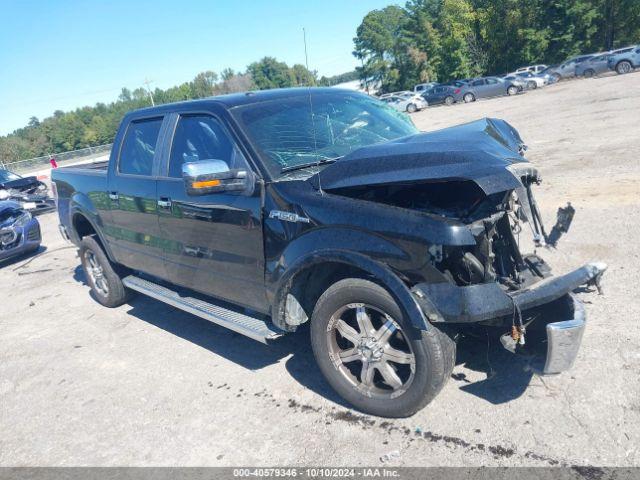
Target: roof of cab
pixel 236 99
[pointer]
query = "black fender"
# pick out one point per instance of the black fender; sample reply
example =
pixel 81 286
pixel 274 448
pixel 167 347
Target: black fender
pixel 381 272
pixel 81 204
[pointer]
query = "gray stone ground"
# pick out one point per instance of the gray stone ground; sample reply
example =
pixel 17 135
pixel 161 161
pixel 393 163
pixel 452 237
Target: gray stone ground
pixel 145 384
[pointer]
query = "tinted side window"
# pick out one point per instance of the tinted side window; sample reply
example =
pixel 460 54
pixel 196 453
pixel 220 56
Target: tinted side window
pixel 492 81
pixel 139 147
pixel 477 83
pixel 201 137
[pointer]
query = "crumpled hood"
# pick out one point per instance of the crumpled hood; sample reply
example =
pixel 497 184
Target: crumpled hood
pixel 25 183
pixel 478 151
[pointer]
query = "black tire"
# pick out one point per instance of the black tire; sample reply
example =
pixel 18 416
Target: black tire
pixel 589 73
pixel 411 108
pixel 107 287
pixel 434 352
pixel 512 90
pixel 449 100
pixel 624 67
pixel 532 85
pixel 469 97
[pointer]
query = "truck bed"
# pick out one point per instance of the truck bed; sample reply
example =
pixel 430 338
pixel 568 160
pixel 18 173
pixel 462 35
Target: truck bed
pixel 94 167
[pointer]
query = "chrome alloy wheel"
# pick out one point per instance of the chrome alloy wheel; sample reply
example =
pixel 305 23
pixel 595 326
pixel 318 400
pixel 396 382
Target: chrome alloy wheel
pixel 96 273
pixel 370 350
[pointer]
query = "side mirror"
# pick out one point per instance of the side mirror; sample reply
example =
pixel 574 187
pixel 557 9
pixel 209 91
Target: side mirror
pixel 214 176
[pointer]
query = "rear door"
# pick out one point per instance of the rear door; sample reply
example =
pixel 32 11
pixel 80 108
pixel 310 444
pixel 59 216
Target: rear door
pixel 134 233
pixel 212 243
pixel 478 86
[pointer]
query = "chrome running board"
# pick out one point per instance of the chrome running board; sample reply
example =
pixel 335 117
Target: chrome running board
pixel 238 322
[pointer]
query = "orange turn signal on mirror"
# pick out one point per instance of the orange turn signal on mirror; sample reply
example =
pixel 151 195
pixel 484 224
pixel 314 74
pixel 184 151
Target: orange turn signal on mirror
pixel 206 183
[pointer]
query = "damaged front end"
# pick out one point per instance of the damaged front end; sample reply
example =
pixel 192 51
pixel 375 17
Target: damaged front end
pixel 29 192
pixel 475 175
pixel 19 231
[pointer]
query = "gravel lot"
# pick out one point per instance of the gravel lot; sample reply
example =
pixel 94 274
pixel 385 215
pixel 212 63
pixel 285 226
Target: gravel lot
pixel 145 384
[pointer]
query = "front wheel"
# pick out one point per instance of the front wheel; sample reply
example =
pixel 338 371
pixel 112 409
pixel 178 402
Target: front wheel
pixel 411 108
pixel 105 282
pixel 371 354
pixel 512 90
pixel 589 73
pixel 469 97
pixel 532 85
pixel 449 100
pixel 624 67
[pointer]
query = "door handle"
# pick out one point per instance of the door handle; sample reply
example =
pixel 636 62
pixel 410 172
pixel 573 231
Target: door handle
pixel 164 202
pixel 114 196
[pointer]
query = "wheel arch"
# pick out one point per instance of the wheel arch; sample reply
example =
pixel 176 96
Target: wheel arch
pixel 309 276
pixel 84 220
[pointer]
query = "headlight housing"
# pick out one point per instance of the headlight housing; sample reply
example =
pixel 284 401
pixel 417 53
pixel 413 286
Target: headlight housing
pixel 22 220
pixel 4 194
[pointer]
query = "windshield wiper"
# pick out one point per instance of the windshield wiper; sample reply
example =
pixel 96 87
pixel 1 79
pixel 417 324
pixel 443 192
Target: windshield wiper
pixel 300 166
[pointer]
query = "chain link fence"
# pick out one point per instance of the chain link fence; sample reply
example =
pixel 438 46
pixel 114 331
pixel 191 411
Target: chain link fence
pixel 61 158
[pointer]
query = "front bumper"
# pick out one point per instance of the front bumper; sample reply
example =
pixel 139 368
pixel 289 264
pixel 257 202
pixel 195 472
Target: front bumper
pixel 445 302
pixel 25 239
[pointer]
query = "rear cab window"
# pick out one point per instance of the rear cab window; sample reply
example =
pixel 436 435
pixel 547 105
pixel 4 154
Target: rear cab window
pixel 139 147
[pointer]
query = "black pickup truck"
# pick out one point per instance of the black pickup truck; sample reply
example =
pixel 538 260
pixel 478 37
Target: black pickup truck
pixel 262 211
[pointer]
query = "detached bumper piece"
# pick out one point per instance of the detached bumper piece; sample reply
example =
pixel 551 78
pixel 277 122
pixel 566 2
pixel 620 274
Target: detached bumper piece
pixel 563 340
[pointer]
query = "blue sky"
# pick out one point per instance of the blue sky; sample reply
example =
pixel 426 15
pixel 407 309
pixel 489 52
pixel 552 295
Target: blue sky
pixel 65 54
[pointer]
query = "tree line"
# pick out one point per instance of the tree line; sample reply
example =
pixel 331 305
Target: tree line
pixel 442 40
pixel 97 125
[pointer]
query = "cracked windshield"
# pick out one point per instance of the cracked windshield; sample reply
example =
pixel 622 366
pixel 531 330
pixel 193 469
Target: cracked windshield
pixel 289 140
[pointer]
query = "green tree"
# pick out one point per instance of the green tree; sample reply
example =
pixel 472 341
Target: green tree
pixel 270 73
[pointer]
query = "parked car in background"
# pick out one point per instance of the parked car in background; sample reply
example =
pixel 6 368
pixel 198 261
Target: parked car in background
pixel 19 231
pixel 532 80
pixel 447 94
pixel 625 62
pixel 531 68
pixel 518 81
pixel 29 192
pixel 488 87
pixel 592 66
pixel 406 104
pixel 549 75
pixel 567 69
pixel 402 93
pixel 421 87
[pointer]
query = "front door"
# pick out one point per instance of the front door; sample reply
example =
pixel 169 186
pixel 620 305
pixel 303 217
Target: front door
pixel 212 243
pixel 494 87
pixel 133 231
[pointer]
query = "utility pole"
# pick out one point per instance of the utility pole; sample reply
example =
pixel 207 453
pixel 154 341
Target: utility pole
pixel 147 82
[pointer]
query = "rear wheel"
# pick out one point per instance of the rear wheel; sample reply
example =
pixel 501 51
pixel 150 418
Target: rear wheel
pixel 411 108
pixel 532 85
pixel 105 282
pixel 624 67
pixel 370 353
pixel 512 90
pixel 589 73
pixel 469 97
pixel 449 100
